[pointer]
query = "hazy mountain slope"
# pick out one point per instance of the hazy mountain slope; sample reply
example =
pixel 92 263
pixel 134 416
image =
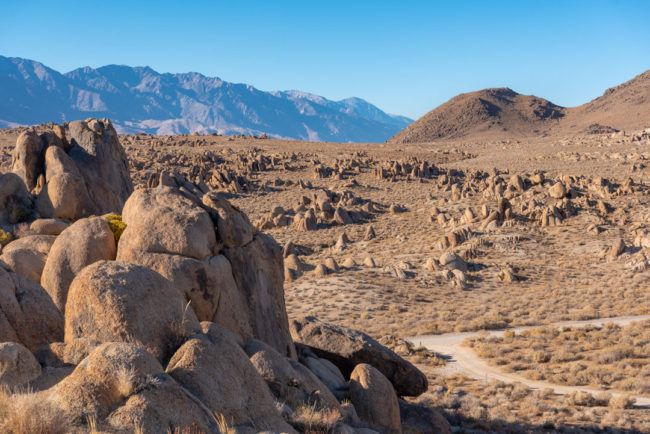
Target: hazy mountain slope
pixel 141 99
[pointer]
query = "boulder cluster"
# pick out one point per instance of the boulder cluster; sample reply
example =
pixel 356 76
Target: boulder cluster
pixel 163 308
pixel 322 208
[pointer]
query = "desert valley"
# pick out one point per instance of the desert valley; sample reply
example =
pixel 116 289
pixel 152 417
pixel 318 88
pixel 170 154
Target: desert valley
pixel 486 269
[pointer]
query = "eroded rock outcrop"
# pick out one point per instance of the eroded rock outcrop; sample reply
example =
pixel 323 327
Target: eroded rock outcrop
pixel 87 174
pixel 230 276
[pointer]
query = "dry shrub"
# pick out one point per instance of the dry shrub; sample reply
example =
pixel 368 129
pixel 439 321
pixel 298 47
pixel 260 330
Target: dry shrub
pixel 30 413
pixel 309 418
pixel 622 401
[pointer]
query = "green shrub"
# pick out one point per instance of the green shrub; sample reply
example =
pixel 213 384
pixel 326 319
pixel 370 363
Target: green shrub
pixel 5 238
pixel 116 224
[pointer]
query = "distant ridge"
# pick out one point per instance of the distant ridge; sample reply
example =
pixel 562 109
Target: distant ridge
pixel 139 99
pixel 502 113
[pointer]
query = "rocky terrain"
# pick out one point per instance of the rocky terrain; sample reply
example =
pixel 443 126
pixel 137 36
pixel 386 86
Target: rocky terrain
pixel 292 273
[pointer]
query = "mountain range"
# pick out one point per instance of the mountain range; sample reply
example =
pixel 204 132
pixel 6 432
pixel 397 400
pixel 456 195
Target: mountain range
pixel 139 99
pixel 501 113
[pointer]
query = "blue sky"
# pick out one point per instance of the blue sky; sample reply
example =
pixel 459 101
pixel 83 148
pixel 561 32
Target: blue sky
pixel 406 57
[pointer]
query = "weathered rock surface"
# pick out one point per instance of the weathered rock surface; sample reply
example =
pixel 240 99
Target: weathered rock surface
pixel 48 226
pixel 161 407
pixel 374 399
pixel 27 161
pixel 162 220
pixel 347 348
pixel 289 380
pixel 241 289
pixel 18 366
pixel 217 371
pixel 26 256
pixel 104 379
pixel 117 301
pixel 233 226
pixel 15 202
pixel 86 241
pixel 258 271
pixel 96 150
pixel 27 314
pixel 61 354
pixel 65 194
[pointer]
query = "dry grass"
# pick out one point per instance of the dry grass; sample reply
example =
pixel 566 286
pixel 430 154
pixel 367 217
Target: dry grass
pixel 504 407
pixel 609 357
pixel 29 413
pixel 311 419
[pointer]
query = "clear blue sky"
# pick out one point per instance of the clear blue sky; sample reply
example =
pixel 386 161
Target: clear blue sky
pixel 406 57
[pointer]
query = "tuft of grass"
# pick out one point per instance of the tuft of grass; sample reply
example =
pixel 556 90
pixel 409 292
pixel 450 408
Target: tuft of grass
pixel 310 418
pixel 223 425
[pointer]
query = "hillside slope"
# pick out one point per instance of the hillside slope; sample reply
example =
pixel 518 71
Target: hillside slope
pixel 488 112
pixel 497 114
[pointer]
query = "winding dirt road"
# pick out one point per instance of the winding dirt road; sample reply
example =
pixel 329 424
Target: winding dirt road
pixel 464 360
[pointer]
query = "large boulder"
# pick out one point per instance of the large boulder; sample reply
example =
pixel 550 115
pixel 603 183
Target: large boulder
pixel 208 285
pixel 217 371
pixel 86 241
pixel 347 348
pixel 374 399
pixel 259 273
pixel 164 406
pixel 27 313
pixel 18 366
pixel 48 226
pixel 112 372
pixel 102 162
pixel 289 380
pixel 162 220
pixel 26 256
pixel 15 202
pixel 122 302
pixel 27 161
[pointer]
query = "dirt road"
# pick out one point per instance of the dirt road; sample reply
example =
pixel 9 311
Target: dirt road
pixel 464 360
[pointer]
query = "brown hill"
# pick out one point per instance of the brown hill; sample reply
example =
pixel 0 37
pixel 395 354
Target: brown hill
pixel 501 113
pixel 488 112
pixel 624 107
